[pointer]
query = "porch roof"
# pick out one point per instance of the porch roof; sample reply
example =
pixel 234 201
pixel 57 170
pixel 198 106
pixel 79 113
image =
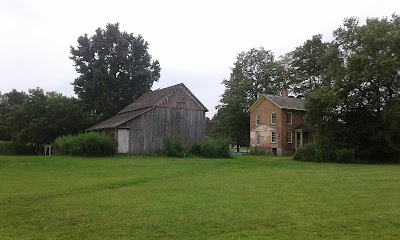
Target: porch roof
pixel 304 128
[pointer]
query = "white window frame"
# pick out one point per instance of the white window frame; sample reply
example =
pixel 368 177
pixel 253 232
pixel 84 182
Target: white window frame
pixel 258 138
pixel 291 118
pixel 258 119
pixel 273 135
pixel 273 118
pixel 289 140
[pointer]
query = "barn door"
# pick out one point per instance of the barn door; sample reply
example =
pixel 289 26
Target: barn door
pixel 123 141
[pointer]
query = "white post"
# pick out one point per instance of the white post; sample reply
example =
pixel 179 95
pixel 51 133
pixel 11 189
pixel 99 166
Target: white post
pixel 47 147
pixel 301 138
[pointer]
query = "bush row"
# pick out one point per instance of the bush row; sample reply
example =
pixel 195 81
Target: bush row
pixel 18 148
pixel 174 147
pixel 210 148
pixel 313 153
pixel 6 148
pixel 87 144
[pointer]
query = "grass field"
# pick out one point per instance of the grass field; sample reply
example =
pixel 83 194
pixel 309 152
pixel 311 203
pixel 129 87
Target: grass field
pixel 250 197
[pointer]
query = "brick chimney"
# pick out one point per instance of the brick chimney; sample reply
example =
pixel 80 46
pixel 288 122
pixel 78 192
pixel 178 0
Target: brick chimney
pixel 285 93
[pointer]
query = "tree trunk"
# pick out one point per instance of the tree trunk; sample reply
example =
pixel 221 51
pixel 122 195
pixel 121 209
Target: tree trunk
pixel 237 144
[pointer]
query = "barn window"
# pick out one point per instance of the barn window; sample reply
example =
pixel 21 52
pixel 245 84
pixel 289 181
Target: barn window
pixel 273 137
pixel 258 119
pixel 289 118
pixel 273 118
pixel 181 98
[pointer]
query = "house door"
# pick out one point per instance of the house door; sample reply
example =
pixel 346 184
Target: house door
pixel 298 140
pixel 274 151
pixel 123 141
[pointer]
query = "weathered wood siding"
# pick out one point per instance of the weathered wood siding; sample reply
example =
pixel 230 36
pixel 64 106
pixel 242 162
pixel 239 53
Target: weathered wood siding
pixel 148 131
pixel 190 102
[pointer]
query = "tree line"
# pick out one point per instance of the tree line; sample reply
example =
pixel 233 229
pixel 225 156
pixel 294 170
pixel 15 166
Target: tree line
pixel 351 85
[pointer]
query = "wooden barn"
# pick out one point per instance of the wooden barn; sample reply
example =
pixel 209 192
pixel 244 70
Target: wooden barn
pixel 142 127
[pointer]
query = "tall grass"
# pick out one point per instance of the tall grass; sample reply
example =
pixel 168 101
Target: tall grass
pixel 212 148
pixel 87 144
pixel 174 147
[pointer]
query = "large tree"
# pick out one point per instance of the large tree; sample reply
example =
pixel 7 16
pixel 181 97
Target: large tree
pixel 365 108
pixel 114 69
pixel 254 72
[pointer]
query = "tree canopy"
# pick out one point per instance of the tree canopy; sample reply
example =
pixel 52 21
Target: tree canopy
pixel 8 102
pixel 254 72
pixel 114 68
pixel 38 118
pixel 307 65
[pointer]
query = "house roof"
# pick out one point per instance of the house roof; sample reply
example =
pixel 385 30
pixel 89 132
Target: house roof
pixel 281 102
pixel 304 128
pixel 143 104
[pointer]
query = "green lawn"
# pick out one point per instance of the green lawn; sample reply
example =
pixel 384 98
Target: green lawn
pixel 249 197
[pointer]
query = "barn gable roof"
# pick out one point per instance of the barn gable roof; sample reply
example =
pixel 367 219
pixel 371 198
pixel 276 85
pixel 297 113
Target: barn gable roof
pixel 119 119
pixel 143 104
pixel 290 103
pixel 155 98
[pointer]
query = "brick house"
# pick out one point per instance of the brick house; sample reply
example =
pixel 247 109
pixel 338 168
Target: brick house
pixel 277 124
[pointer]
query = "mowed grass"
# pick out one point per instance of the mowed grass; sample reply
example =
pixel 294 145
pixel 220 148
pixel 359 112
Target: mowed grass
pixel 250 197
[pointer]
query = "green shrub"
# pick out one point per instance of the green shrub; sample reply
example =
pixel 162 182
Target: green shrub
pixel 313 153
pixel 6 148
pixel 88 144
pixel 196 149
pixel 65 145
pixel 324 155
pixel 174 147
pixel 345 155
pixel 306 153
pixel 20 148
pixel 212 148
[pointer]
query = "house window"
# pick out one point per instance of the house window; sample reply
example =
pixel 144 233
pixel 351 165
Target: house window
pixel 181 98
pixel 258 119
pixel 257 138
pixel 289 137
pixel 289 118
pixel 273 137
pixel 273 118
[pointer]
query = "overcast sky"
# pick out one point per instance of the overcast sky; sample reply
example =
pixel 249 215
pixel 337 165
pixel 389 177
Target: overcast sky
pixel 195 41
